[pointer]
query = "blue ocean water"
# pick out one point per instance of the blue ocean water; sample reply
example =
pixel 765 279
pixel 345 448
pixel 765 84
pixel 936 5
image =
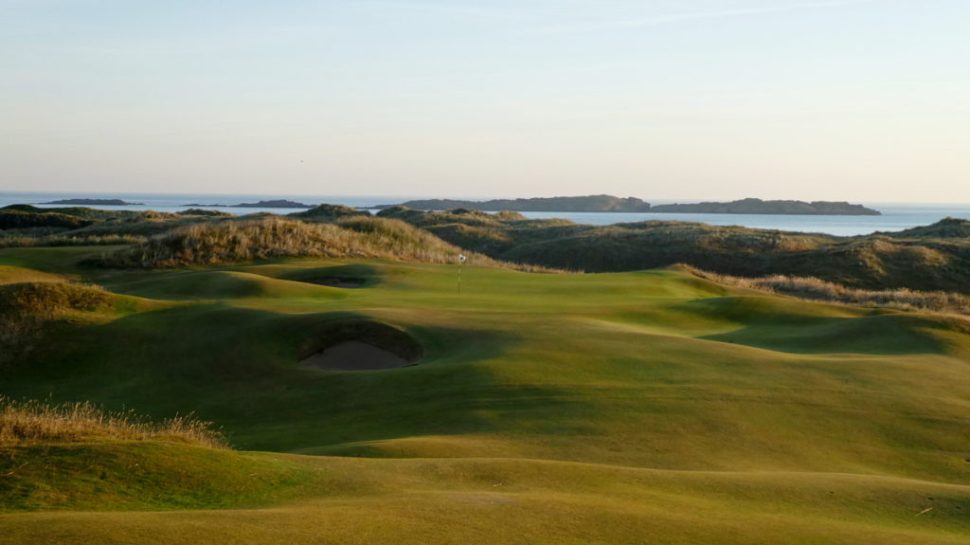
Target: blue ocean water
pixel 174 202
pixel 895 216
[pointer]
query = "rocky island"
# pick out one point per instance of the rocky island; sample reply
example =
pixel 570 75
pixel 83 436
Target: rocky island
pixel 589 203
pixel 609 203
pixel 95 202
pixel 277 203
pixel 758 206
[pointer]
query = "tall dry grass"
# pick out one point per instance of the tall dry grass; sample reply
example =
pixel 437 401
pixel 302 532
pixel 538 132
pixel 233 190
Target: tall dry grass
pixel 821 290
pixel 31 422
pixel 27 241
pixel 238 241
pixel 249 240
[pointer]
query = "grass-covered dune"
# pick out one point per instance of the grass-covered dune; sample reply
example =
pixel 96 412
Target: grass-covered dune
pixel 33 312
pixel 78 456
pixel 248 240
pixel 23 225
pixel 544 408
pixel 931 258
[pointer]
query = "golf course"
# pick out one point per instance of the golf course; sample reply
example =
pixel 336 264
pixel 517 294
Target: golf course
pixel 371 400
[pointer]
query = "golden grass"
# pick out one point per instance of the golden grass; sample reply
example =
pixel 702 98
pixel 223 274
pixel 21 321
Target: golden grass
pixel 248 240
pixel 48 298
pixel 273 237
pixel 26 241
pixel 30 422
pixel 820 290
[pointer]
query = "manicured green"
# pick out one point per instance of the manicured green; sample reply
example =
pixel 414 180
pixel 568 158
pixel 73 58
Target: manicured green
pixel 646 407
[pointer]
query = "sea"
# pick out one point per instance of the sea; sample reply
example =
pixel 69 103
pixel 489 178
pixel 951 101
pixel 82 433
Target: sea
pixel 895 216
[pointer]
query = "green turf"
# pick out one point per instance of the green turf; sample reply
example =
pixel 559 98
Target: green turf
pixel 613 408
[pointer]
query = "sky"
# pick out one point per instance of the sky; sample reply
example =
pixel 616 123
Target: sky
pixel 861 100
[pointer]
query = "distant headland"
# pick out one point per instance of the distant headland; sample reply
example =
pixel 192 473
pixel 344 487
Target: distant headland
pixel 278 203
pixel 95 202
pixel 589 203
pixel 609 203
pixel 758 206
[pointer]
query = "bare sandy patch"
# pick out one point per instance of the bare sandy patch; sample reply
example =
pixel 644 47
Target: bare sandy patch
pixel 354 356
pixel 339 282
pixel 359 345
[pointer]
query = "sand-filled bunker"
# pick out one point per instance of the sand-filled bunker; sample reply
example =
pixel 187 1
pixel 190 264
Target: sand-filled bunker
pixel 347 282
pixel 361 345
pixel 346 276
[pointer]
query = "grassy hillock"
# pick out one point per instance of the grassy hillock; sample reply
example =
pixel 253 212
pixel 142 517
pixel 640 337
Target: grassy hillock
pixel 204 213
pixel 945 228
pixel 24 225
pixel 70 456
pixel 330 212
pixel 259 239
pixel 30 311
pixel 933 258
pixel 93 214
pixel 15 218
pixel 820 290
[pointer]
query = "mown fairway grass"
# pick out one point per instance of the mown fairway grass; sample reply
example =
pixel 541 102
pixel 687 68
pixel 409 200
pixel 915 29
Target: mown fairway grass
pixel 648 407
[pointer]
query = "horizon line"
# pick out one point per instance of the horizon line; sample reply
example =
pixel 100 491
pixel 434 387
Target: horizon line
pixel 684 200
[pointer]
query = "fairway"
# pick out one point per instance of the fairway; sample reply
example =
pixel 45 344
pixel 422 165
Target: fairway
pixel 522 407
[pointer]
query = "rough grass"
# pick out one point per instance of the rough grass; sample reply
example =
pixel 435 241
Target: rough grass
pixel 13 218
pixel 819 290
pixel 28 226
pixel 273 237
pixel 26 241
pixel 27 309
pixel 31 422
pixel 46 299
pixel 250 240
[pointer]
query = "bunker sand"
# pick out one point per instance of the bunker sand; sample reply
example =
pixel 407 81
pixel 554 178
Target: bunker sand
pixel 354 356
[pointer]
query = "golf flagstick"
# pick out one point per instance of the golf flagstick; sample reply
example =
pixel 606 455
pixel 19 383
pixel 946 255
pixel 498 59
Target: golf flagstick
pixel 461 261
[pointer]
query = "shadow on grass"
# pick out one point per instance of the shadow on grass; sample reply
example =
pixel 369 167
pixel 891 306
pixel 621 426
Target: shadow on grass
pixel 801 327
pixel 341 276
pixel 871 335
pixel 239 368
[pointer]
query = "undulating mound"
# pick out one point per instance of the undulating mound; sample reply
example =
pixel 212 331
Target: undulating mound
pixel 361 345
pixel 330 212
pixel 77 455
pixel 248 240
pixel 27 309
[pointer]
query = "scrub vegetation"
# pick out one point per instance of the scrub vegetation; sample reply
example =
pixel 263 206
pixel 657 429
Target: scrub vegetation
pixel 820 290
pixel 931 258
pixel 32 422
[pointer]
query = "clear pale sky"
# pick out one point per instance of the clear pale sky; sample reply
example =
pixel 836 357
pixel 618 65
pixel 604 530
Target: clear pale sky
pixel 691 99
